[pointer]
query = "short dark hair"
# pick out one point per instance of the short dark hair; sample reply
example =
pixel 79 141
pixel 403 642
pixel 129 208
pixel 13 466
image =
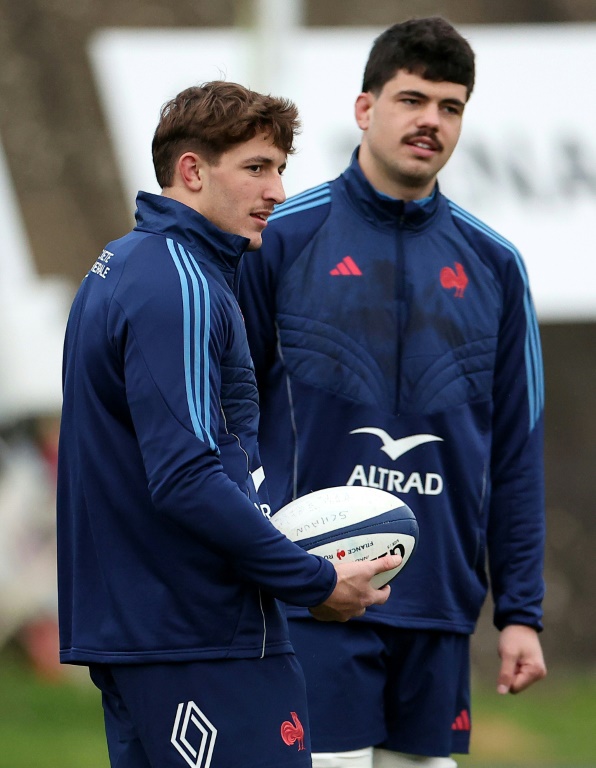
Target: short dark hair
pixel 428 47
pixel 211 118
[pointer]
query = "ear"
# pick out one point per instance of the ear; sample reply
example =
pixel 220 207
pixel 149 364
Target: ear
pixel 190 168
pixel 362 108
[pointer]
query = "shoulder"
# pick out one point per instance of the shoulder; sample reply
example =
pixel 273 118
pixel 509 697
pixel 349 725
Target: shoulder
pixel 490 246
pixel 302 214
pixel 162 279
pixel 290 228
pixel 312 203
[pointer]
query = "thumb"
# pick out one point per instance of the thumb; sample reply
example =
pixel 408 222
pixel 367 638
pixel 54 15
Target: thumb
pixel 506 674
pixel 386 563
pixel 385 569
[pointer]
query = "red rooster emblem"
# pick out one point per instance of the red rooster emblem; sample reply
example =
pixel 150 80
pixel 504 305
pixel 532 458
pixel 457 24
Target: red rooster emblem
pixel 293 732
pixel 457 279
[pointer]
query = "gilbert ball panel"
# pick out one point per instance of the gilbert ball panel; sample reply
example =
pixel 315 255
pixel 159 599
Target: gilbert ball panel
pixel 351 522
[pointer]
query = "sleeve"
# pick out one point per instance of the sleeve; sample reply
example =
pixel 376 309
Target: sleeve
pixel 170 344
pixel 516 531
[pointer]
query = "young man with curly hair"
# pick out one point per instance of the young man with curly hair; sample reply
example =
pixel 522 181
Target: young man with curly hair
pixel 169 566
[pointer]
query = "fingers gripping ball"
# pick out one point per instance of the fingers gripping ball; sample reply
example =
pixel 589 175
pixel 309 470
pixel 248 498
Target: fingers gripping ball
pixel 351 522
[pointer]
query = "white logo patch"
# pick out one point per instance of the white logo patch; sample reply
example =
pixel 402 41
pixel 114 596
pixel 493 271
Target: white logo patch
pixel 194 735
pixel 393 480
pixel 396 448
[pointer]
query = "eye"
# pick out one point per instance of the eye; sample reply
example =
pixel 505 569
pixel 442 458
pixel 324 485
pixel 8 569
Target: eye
pixel 452 110
pixel 255 168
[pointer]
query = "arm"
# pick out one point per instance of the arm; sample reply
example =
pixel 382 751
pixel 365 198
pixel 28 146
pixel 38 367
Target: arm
pixel 188 484
pixel 516 528
pixel 185 476
pixel 174 425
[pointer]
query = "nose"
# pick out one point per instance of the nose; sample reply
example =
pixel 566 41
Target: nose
pixel 430 115
pixel 275 190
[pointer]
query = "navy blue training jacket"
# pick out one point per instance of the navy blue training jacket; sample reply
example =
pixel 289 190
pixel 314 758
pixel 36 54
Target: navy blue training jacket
pixel 165 553
pixel 396 346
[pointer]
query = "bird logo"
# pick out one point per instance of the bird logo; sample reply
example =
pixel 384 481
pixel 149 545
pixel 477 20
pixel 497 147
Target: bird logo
pixel 455 279
pixel 396 448
pixel 293 732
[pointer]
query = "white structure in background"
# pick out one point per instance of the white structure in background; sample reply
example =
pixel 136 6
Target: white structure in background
pixel 269 23
pixel 33 315
pixel 526 163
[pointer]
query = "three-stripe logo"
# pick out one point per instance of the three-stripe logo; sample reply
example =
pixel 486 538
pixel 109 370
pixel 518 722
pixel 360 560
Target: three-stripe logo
pixel 461 722
pixel 193 735
pixel 347 266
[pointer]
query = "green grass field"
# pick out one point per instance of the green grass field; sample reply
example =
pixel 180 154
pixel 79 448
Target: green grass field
pixel 48 724
pixel 60 725
pixel 552 725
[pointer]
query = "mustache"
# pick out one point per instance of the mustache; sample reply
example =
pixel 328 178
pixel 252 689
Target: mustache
pixel 424 134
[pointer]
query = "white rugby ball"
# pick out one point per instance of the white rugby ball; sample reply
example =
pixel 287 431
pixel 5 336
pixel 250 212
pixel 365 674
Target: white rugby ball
pixel 351 522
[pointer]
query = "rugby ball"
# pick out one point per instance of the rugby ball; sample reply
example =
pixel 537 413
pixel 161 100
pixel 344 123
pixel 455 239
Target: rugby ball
pixel 351 522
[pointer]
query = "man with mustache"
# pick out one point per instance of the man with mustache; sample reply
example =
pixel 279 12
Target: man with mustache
pixel 396 345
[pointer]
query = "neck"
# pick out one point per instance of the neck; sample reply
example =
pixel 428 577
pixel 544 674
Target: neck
pixel 181 195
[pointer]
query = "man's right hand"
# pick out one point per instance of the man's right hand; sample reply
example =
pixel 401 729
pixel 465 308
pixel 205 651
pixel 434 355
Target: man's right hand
pixel 353 593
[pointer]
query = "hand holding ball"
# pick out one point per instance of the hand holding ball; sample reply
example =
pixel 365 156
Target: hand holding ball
pixel 351 523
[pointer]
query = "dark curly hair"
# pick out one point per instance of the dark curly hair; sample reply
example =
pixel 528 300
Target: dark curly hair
pixel 211 118
pixel 428 47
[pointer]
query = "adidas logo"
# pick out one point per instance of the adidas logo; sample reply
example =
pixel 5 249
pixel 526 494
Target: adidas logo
pixel 461 722
pixel 347 266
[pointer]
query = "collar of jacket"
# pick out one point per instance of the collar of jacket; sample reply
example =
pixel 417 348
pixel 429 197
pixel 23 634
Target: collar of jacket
pixel 381 209
pixel 164 216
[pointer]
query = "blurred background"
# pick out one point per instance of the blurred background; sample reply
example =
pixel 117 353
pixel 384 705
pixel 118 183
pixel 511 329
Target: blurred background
pixel 81 83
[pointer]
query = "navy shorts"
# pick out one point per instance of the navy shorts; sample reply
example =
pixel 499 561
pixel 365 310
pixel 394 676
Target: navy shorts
pixel 236 713
pixel 374 685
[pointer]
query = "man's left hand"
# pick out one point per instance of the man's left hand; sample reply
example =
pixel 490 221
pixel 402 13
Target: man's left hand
pixel 522 660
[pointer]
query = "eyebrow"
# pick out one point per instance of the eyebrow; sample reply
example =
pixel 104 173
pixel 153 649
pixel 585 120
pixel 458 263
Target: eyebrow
pixel 420 95
pixel 261 160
